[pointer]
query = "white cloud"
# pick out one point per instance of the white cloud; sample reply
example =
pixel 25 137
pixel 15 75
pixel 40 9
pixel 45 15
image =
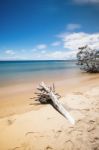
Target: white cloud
pixel 74 40
pixel 41 46
pixel 72 27
pixel 34 50
pixel 43 51
pixel 62 55
pixel 62 35
pixel 9 52
pixel 86 1
pixel 70 40
pixel 42 55
pixel 57 43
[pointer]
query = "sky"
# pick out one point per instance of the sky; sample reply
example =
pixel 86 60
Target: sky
pixel 47 29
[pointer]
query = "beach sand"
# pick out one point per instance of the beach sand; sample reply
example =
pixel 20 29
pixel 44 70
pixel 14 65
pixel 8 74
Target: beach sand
pixel 27 125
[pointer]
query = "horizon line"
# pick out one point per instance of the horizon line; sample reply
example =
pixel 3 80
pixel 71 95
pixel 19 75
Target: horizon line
pixel 40 60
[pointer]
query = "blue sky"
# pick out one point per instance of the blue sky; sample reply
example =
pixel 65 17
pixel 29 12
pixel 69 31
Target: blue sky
pixel 47 29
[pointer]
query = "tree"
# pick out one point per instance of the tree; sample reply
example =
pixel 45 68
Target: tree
pixel 88 59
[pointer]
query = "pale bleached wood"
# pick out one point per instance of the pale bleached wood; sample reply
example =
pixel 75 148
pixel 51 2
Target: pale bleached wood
pixel 57 104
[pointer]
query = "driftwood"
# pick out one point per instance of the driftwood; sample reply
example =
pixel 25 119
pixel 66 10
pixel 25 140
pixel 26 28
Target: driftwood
pixel 48 95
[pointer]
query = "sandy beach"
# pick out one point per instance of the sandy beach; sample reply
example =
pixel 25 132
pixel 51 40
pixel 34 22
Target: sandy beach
pixel 27 125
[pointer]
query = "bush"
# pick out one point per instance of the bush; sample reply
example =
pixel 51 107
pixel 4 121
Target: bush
pixel 88 59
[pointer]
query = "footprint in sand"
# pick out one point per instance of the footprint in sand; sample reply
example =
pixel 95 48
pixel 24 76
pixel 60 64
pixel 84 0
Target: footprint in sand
pixel 10 121
pixel 68 145
pixel 30 133
pixel 15 148
pixel 56 133
pixel 48 148
pixel 78 93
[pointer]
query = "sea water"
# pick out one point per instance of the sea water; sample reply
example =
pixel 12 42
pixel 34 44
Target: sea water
pixel 15 72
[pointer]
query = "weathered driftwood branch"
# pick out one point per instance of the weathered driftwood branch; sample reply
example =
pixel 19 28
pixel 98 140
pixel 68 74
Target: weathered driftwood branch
pixel 48 95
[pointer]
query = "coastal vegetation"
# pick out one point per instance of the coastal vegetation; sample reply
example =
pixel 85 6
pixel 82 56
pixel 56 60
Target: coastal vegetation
pixel 88 59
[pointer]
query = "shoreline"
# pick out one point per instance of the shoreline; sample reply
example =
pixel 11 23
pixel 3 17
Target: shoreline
pixel 17 99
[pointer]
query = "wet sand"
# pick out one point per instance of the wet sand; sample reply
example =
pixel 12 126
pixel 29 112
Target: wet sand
pixel 27 125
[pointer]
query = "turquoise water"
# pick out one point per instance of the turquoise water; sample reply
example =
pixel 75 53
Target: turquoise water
pixel 12 72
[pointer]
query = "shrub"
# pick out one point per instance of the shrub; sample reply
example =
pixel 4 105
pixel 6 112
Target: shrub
pixel 88 59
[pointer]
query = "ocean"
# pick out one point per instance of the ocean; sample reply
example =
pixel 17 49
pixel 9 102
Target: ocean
pixel 17 72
